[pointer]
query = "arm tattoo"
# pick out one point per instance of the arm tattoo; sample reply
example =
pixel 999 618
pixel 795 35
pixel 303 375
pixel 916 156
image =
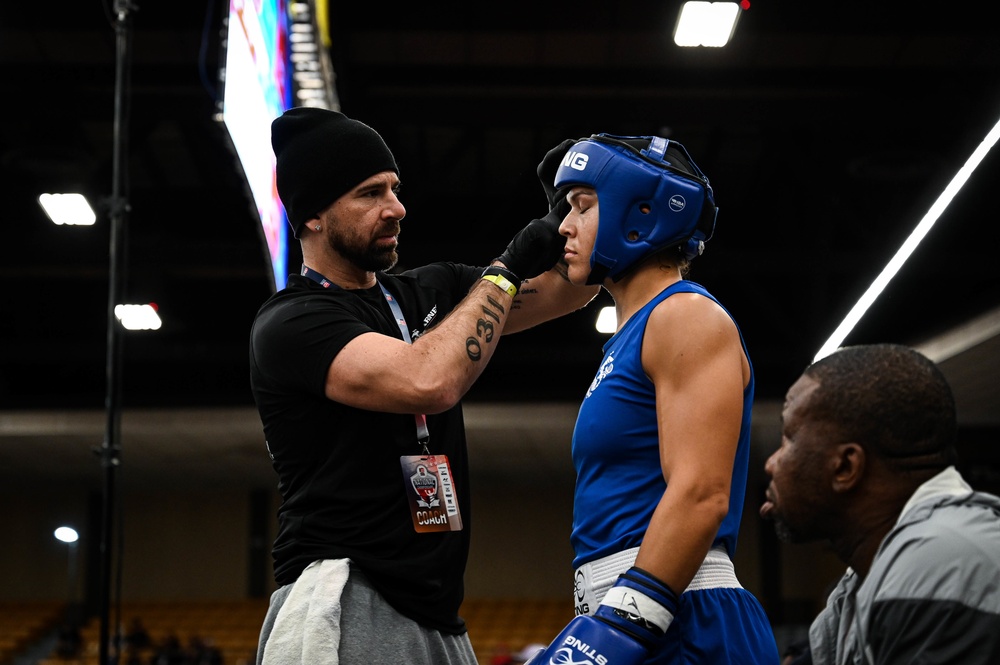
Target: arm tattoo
pixel 484 330
pixel 493 302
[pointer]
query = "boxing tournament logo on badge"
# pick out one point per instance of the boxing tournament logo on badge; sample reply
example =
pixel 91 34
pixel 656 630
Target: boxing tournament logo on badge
pixel 426 486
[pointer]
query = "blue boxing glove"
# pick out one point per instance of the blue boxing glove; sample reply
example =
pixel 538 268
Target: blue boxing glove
pixel 633 616
pixel 589 641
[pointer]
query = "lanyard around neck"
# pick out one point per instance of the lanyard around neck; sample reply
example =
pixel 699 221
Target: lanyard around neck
pixel 423 434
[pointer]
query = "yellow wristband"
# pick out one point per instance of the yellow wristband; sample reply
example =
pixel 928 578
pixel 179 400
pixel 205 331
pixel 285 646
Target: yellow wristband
pixel 503 283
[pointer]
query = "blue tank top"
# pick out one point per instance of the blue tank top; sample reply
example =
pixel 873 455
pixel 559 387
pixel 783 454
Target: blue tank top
pixel 616 448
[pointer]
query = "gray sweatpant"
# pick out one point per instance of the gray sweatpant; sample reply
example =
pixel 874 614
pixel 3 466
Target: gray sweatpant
pixel 373 633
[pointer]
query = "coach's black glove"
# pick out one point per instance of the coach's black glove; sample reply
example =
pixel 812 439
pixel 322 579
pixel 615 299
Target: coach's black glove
pixel 547 170
pixel 538 246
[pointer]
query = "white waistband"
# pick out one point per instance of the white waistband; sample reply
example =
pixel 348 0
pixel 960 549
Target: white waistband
pixel 592 580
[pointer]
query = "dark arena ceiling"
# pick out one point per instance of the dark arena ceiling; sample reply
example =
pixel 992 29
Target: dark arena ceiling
pixel 826 129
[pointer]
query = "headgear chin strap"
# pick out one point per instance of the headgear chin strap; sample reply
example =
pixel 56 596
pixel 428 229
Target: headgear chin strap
pixel 649 199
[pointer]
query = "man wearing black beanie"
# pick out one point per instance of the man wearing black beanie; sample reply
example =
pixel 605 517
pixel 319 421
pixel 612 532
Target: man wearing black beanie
pixel 357 375
pixel 320 155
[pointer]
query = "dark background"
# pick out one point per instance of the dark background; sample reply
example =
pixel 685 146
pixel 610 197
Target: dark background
pixel 827 130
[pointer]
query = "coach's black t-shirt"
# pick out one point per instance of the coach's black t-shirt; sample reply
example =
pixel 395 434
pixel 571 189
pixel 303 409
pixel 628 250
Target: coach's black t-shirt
pixel 338 467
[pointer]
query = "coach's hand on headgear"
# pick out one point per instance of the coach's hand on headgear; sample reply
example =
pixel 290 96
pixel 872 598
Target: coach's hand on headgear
pixel 547 170
pixel 538 246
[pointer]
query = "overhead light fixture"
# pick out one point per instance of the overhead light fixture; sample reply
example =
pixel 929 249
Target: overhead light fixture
pixel 907 248
pixel 607 321
pixel 72 209
pixel 707 23
pixel 66 534
pixel 138 317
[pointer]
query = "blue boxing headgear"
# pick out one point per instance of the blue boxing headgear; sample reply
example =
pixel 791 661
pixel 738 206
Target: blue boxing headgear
pixel 649 200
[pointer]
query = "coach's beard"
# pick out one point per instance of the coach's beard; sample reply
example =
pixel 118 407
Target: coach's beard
pixel 380 260
pixel 371 258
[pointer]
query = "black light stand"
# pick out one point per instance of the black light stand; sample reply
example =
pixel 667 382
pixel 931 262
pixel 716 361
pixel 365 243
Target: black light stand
pixel 110 449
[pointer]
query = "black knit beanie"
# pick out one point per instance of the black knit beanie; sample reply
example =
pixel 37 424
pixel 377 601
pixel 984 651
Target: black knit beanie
pixel 321 155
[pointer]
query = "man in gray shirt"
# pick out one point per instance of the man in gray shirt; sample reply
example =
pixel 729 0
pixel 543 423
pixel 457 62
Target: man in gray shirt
pixel 867 463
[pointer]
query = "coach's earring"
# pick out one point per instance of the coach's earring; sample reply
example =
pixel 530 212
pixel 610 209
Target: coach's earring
pixel 316 227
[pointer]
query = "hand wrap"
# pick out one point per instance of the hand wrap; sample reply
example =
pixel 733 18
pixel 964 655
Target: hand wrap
pixel 640 605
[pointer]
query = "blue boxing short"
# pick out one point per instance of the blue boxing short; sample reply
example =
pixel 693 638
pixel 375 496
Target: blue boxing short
pixel 718 622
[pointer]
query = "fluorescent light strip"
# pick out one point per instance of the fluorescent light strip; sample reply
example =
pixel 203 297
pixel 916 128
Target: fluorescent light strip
pixel 909 245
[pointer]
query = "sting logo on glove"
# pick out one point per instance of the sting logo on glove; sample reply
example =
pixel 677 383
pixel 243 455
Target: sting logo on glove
pixel 565 655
